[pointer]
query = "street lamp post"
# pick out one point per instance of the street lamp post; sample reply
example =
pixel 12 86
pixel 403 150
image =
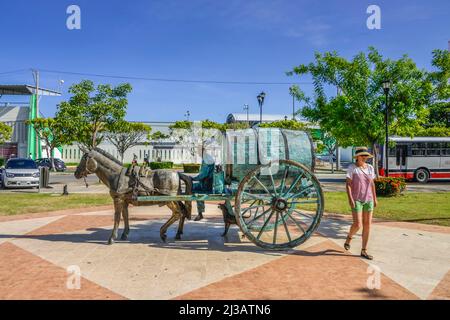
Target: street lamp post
pixel 246 109
pixel 291 91
pixel 386 88
pixel 260 98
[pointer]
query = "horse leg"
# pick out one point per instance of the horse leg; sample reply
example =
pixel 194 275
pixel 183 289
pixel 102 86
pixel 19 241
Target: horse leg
pixel 175 216
pixel 118 204
pixel 126 230
pixel 180 228
pixel 227 226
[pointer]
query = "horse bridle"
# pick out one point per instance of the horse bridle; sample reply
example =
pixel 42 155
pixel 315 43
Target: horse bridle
pixel 86 170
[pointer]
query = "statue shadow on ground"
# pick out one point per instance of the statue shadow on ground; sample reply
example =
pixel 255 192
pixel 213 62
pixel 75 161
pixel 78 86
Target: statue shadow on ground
pixel 203 235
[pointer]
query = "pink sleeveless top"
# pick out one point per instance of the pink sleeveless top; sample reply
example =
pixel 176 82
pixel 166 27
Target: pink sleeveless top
pixel 361 182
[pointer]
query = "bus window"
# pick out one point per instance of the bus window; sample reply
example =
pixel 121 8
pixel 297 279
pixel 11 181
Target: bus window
pixel 446 149
pixel 433 149
pixel 418 149
pixel 392 152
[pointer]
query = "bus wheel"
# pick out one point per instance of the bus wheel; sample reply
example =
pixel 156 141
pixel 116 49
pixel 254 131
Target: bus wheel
pixel 422 175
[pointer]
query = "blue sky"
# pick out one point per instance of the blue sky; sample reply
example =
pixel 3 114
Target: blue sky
pixel 231 40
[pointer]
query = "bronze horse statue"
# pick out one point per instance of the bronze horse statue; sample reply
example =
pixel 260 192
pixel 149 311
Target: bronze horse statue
pixel 124 185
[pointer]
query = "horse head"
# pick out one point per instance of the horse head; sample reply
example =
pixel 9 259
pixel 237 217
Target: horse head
pixel 87 165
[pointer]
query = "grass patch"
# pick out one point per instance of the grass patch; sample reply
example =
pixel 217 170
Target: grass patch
pixel 429 208
pixel 21 203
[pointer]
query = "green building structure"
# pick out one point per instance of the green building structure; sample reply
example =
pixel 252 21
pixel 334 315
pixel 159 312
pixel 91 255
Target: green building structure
pixel 33 145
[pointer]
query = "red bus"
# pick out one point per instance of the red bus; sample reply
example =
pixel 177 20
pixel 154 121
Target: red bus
pixel 419 158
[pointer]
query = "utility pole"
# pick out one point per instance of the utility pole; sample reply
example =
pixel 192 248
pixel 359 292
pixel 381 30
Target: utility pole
pixel 291 91
pixel 36 81
pixel 246 109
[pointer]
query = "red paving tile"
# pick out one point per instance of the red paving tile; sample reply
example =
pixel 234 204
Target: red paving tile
pixel 415 226
pixel 55 213
pixel 442 290
pixel 26 276
pixel 322 271
pixel 72 223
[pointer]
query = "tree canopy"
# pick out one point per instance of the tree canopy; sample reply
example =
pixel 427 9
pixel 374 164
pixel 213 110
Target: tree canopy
pixel 439 109
pixel 50 130
pixel 196 136
pixel 284 124
pixel 356 116
pixel 92 110
pixel 125 135
pixel 5 132
pixel 158 135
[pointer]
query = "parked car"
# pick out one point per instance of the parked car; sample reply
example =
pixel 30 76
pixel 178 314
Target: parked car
pixel 326 158
pixel 19 173
pixel 45 162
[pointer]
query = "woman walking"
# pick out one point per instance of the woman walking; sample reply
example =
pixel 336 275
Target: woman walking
pixel 361 197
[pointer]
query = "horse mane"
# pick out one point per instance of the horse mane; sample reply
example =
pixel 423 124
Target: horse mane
pixel 108 155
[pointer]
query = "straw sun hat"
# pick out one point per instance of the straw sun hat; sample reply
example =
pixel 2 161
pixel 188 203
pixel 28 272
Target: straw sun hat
pixel 362 151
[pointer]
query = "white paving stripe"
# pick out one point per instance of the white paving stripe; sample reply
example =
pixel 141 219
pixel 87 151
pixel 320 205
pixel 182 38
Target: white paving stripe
pixel 10 229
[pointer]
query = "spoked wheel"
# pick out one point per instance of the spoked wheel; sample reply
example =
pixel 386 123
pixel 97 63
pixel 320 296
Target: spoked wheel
pixel 279 205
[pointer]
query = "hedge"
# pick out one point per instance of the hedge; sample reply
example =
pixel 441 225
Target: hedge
pixel 191 168
pixel 161 165
pixel 2 162
pixel 389 186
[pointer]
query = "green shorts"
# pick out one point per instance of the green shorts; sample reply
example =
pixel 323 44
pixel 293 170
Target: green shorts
pixel 363 206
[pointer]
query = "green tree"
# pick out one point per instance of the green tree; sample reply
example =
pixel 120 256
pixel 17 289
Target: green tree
pixel 285 124
pixel 125 135
pixel 435 131
pixel 196 135
pixel 236 126
pixel 440 106
pixel 5 132
pixel 92 111
pixel 356 116
pixel 158 135
pixel 328 143
pixel 51 131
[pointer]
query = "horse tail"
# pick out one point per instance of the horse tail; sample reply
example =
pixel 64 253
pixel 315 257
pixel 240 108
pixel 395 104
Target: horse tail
pixel 188 182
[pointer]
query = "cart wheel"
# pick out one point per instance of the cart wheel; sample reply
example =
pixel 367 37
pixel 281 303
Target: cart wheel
pixel 279 205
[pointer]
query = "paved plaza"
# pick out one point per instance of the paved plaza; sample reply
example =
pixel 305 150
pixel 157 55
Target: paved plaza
pixel 39 253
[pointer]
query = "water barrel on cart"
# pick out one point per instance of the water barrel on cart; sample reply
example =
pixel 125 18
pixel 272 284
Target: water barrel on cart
pixel 245 149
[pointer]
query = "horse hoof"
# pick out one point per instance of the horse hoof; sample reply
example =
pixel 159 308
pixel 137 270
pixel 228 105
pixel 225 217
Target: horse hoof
pixel 110 241
pixel 163 237
pixel 178 236
pixel 124 237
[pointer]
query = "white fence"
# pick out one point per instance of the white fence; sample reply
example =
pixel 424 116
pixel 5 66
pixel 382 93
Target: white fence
pixel 176 153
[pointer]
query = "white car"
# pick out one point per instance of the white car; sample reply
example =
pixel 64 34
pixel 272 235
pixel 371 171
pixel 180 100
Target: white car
pixel 19 173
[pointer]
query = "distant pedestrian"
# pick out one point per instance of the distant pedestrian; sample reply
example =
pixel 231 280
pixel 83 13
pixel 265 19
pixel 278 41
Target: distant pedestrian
pixel 362 197
pixel 134 161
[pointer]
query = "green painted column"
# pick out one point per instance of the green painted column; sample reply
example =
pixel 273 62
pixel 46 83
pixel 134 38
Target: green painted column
pixel 31 140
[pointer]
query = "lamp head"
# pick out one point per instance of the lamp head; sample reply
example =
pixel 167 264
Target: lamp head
pixel 261 97
pixel 386 85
